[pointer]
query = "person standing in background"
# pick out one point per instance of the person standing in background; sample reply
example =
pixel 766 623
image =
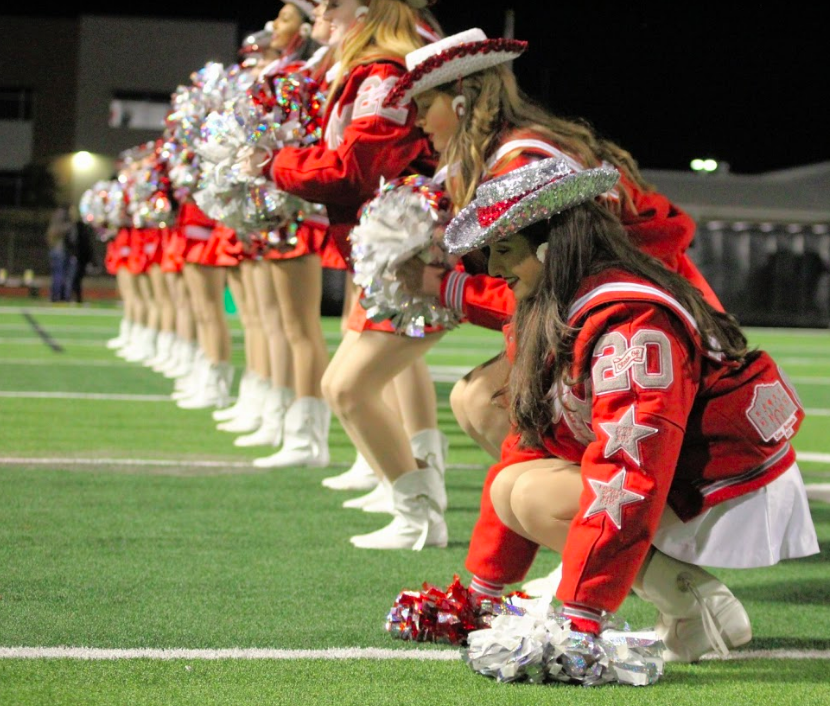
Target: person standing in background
pixel 79 254
pixel 56 235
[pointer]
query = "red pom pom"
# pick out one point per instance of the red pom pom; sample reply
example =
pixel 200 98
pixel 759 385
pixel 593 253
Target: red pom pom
pixel 448 616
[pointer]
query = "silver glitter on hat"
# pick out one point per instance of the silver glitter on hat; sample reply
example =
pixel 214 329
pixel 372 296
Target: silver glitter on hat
pixel 507 204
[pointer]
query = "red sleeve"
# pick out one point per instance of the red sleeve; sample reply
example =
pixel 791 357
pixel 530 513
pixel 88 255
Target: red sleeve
pixel 644 378
pixel 364 141
pixel 483 300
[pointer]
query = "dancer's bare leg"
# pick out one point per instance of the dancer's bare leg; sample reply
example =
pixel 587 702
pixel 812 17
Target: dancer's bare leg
pixel 353 384
pixel 241 283
pixel 299 286
pixel 152 316
pixel 163 299
pixel 538 499
pixel 207 285
pixel 134 308
pixel 280 361
pixel 417 401
pixel 478 408
pixel 185 321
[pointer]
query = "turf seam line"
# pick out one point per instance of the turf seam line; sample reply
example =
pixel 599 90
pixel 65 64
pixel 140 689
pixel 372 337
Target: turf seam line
pixel 40 331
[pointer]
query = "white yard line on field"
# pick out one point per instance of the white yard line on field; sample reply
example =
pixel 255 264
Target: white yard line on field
pixel 818 491
pixel 69 311
pixel 167 462
pixel 370 653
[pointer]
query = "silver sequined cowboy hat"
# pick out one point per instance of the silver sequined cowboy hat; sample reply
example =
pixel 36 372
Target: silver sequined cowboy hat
pixel 507 204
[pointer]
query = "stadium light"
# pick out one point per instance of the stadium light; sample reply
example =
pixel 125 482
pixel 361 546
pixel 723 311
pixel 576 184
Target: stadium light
pixel 706 166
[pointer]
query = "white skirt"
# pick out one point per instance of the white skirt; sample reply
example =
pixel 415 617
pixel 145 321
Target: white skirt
pixel 757 529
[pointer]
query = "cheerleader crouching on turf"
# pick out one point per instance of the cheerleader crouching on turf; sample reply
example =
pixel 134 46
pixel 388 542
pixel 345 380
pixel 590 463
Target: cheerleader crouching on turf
pixel 647 439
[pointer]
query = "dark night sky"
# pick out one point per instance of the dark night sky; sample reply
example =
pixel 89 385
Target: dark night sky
pixel 667 81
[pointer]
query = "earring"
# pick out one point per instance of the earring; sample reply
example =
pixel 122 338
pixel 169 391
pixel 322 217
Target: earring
pixel 305 30
pixel 360 12
pixel 459 105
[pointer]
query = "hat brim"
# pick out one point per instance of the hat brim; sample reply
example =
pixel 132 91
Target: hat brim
pixel 464 233
pixel 451 65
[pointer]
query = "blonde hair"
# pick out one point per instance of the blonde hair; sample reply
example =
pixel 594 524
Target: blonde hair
pixel 496 104
pixel 388 29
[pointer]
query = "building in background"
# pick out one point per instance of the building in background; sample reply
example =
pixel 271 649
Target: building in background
pixel 76 93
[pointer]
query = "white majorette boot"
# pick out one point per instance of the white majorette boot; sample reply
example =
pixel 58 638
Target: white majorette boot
pixel 123 335
pixel 419 520
pixel 359 477
pixel 162 366
pixel 145 347
pixel 190 384
pixel 544 585
pixel 379 499
pixel 246 414
pixel 187 355
pixel 698 614
pixel 215 391
pixel 273 408
pixel 133 340
pixel 228 413
pixel 431 446
pixel 164 347
pixel 305 439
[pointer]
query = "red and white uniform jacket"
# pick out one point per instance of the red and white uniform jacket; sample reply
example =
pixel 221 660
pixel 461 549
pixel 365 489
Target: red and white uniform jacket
pixel 658 420
pixel 364 141
pixel 655 225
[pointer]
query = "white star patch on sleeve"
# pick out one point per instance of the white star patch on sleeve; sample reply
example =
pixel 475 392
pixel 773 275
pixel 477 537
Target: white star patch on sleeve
pixel 611 497
pixel 625 435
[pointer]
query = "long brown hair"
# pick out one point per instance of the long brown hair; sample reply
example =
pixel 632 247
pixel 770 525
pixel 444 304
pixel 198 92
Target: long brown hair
pixel 496 104
pixel 585 241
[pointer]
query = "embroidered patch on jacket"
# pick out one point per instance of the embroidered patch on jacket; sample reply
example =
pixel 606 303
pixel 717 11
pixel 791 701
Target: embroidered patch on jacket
pixel 370 98
pixel 647 361
pixel 611 497
pixel 625 435
pixel 772 412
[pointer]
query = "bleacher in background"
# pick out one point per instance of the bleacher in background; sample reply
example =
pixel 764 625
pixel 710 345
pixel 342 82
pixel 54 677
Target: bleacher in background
pixel 768 274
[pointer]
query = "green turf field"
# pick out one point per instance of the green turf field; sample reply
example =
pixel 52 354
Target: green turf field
pixel 135 529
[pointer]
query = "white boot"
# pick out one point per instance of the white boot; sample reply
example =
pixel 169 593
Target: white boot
pixel 245 383
pixel 190 384
pixel 431 446
pixel 164 346
pixel 698 614
pixel 186 357
pixel 545 585
pixel 123 335
pixel 305 438
pixel 274 407
pixel 133 340
pixel 379 499
pixel 173 357
pixel 359 477
pixel 145 347
pixel 419 521
pixel 215 391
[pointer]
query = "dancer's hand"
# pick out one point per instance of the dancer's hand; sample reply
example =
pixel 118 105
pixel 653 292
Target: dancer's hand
pixel 253 162
pixel 420 279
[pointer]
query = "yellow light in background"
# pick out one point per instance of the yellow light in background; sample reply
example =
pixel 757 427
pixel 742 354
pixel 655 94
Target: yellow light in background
pixel 82 161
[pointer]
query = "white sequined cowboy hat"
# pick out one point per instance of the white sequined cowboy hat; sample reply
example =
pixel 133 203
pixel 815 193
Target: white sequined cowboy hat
pixel 509 203
pixel 450 59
